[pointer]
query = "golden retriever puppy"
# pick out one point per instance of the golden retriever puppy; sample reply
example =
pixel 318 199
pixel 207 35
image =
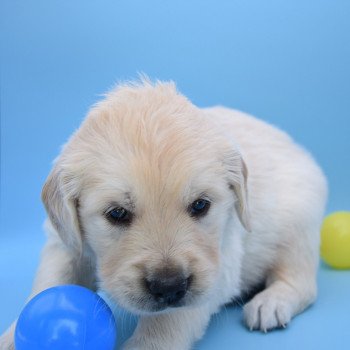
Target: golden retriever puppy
pixel 175 211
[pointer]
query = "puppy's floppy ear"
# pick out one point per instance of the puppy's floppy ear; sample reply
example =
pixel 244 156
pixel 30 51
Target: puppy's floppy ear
pixel 238 175
pixel 61 202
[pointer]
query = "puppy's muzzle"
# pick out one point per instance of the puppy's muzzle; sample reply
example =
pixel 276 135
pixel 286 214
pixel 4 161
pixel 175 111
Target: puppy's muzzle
pixel 168 289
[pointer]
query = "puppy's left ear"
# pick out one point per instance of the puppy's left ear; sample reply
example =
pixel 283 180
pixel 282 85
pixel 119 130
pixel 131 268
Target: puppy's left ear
pixel 238 176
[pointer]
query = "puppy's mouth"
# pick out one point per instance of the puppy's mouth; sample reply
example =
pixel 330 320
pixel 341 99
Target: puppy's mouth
pixel 148 305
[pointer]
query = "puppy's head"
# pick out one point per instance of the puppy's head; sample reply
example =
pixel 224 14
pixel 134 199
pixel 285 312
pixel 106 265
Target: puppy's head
pixel 150 185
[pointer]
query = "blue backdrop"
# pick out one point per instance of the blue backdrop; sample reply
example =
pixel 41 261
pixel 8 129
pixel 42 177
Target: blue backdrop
pixel 287 62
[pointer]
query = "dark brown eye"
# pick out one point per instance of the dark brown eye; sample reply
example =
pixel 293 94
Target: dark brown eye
pixel 199 208
pixel 119 216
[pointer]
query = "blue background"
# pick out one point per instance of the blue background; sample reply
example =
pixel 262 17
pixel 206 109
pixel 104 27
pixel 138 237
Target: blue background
pixel 287 62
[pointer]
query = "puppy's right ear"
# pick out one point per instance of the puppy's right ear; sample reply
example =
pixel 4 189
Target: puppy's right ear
pixel 61 201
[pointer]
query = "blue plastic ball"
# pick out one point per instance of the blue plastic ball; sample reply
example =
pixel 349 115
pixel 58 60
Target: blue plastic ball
pixel 66 317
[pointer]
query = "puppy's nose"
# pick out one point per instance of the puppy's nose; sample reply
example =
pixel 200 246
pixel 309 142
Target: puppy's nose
pixel 168 290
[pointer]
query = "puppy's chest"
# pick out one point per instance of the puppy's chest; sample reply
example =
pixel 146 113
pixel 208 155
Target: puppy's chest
pixel 229 284
pixel 257 258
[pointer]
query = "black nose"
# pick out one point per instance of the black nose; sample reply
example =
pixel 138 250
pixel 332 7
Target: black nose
pixel 168 290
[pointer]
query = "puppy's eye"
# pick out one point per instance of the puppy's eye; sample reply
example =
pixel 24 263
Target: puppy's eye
pixel 119 216
pixel 199 208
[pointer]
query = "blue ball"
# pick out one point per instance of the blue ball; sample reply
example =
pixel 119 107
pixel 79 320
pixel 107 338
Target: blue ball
pixel 66 317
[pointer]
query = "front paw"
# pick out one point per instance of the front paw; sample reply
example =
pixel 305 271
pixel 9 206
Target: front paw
pixel 7 341
pixel 152 343
pixel 268 310
pixel 135 344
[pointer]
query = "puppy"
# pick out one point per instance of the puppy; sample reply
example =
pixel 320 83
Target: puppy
pixel 175 211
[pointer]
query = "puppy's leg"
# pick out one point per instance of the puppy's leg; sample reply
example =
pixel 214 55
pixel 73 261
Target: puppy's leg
pixel 290 287
pixel 176 330
pixel 58 266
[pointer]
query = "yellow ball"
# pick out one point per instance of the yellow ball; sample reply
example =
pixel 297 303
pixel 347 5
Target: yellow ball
pixel 335 240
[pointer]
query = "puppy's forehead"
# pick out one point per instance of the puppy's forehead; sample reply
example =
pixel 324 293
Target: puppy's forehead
pixel 150 139
pixel 162 171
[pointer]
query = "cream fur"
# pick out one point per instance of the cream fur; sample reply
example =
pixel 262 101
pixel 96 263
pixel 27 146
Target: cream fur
pixel 148 149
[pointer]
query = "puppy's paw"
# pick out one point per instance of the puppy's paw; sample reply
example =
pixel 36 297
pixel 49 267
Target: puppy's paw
pixel 137 344
pixel 149 342
pixel 7 340
pixel 132 346
pixel 268 310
